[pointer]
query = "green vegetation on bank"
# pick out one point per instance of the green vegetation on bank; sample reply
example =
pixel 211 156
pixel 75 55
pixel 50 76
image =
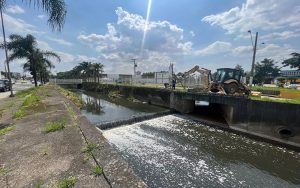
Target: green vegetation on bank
pixel 6 130
pixel 88 149
pixel 54 126
pixel 257 88
pixel 67 182
pixel 97 170
pixel 19 114
pixel 291 101
pixel 72 96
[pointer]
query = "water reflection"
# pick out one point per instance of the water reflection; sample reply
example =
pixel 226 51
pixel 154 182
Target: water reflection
pixel 102 109
pixel 93 105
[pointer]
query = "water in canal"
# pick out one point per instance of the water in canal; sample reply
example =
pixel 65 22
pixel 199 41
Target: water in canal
pixel 173 151
pixel 102 109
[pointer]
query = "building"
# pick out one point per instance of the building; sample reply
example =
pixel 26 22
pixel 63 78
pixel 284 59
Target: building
pixel 292 76
pixel 197 77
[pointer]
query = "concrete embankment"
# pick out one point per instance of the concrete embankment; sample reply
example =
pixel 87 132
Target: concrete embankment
pixel 46 142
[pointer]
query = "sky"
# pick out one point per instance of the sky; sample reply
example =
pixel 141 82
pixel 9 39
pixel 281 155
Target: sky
pixel 209 33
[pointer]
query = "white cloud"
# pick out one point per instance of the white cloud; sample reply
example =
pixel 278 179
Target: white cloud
pixel 192 33
pixel 215 48
pixel 14 9
pixel 16 25
pixel 61 41
pixel 279 35
pixel 123 41
pixel 41 16
pixel 257 14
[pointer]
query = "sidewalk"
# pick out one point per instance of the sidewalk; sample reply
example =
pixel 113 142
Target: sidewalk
pixel 75 153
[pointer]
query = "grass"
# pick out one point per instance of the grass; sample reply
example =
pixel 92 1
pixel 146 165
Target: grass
pixel 71 112
pixel 72 96
pixel 19 114
pixel 114 94
pixel 291 101
pixel 6 130
pixel 31 101
pixel 54 126
pixel 87 150
pixel 3 171
pixel 68 182
pixel 25 92
pixel 1 112
pixel 256 88
pixel 97 170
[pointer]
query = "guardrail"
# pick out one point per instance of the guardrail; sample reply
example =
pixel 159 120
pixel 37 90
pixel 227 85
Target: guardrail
pixel 65 81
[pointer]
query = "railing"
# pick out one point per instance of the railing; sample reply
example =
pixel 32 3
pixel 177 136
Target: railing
pixel 65 81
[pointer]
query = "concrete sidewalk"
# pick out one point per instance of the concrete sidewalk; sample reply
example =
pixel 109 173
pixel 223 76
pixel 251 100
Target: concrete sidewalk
pixel 31 158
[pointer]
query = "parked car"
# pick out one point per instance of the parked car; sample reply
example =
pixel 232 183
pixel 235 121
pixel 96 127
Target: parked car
pixel 291 86
pixel 4 85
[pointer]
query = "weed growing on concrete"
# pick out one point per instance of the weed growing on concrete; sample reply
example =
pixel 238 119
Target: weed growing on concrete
pixel 19 114
pixel 71 112
pixel 97 170
pixel 3 171
pixel 23 93
pixel 6 130
pixel 1 112
pixel 38 185
pixel 87 150
pixel 32 100
pixel 68 182
pixel 72 96
pixel 55 126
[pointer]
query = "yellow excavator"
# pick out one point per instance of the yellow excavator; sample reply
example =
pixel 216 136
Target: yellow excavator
pixel 229 81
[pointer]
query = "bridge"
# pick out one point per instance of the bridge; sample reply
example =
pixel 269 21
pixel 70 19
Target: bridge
pixel 65 81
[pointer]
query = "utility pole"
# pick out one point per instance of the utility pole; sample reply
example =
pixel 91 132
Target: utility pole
pixel 253 58
pixel 5 47
pixel 134 66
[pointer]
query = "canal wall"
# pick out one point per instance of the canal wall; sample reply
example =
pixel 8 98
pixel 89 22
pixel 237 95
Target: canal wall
pixel 271 120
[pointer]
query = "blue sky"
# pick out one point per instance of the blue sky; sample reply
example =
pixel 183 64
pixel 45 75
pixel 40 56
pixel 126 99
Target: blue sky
pixel 208 33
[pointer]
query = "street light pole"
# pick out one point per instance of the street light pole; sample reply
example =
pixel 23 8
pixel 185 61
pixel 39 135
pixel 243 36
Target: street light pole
pixel 253 57
pixel 6 56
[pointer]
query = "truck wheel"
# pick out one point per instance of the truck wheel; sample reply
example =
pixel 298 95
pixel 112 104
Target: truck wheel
pixel 231 88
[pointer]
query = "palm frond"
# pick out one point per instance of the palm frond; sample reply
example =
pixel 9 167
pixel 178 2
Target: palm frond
pixel 55 9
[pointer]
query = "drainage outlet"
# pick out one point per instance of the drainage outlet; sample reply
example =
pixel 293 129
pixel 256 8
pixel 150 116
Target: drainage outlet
pixel 285 132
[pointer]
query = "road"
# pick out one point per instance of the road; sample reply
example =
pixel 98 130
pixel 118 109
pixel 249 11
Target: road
pixel 16 87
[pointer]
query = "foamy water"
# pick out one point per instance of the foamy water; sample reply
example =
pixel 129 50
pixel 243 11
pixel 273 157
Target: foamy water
pixel 173 151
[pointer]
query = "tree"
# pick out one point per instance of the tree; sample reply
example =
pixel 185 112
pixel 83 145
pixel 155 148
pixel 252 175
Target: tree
pixel 83 70
pixel 26 48
pixel 55 9
pixel 239 67
pixel 41 64
pixel 265 70
pixel 293 62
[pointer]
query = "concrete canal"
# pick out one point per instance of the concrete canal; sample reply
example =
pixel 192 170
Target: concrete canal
pixel 174 151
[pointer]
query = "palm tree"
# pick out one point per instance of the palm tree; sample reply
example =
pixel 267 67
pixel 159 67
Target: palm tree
pixel 56 10
pixel 26 47
pixel 41 64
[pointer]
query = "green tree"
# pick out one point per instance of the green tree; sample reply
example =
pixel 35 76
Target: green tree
pixel 83 70
pixel 239 67
pixel 293 62
pixel 26 48
pixel 265 70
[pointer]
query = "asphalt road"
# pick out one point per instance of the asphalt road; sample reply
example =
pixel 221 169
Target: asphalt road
pixel 16 87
